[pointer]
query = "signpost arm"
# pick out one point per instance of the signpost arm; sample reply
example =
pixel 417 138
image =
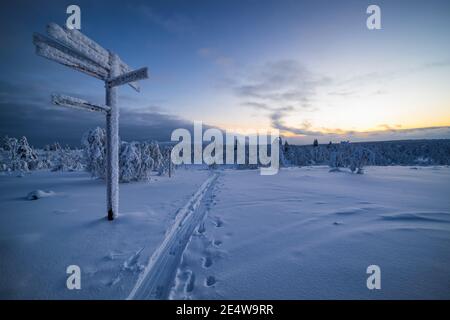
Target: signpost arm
pixel 113 143
pixel 76 103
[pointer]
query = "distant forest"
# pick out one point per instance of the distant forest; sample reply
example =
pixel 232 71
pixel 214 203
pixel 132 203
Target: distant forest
pixel 382 153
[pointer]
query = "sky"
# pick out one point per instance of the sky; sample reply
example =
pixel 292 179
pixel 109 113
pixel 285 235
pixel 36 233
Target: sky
pixel 311 69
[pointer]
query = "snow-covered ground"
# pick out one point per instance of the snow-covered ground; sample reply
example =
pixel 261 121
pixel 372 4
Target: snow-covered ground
pixel 310 234
pixel 40 238
pixel 303 233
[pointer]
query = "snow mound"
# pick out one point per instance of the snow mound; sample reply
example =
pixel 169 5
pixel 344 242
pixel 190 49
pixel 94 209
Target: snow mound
pixel 38 194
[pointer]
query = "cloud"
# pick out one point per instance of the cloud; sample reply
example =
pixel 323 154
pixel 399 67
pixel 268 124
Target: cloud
pixel 357 86
pixel 337 135
pixel 387 127
pixel 173 22
pixel 265 107
pixel 381 77
pixel 25 110
pixel 215 56
pixel 284 82
pixel 204 52
pixel 281 88
pixel 386 132
pixel 277 122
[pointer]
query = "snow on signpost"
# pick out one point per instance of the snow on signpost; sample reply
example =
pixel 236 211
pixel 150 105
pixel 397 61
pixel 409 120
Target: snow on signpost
pixel 73 49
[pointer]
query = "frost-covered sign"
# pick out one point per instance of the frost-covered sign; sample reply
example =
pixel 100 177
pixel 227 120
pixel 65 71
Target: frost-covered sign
pixel 73 49
pixel 128 77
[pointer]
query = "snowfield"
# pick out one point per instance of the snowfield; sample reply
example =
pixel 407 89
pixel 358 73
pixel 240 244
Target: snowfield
pixel 40 238
pixel 310 234
pixel 304 233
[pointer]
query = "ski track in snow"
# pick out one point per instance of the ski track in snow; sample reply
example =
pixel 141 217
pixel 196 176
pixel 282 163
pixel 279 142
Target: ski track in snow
pixel 187 278
pixel 157 277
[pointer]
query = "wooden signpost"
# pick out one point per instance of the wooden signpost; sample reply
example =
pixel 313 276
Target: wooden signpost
pixel 73 49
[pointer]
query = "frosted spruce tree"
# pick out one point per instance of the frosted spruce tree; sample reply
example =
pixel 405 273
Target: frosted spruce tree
pixel 335 161
pixel 147 162
pixel 9 146
pixel 22 156
pixel 66 159
pixel 94 145
pixel 136 160
pixel 359 158
pixel 168 166
pixel 129 162
pixel 282 154
pixel 157 157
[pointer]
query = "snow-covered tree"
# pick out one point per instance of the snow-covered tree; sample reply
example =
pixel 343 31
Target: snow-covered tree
pixel 315 143
pixel 157 157
pixel 65 159
pixel 167 165
pixel 359 158
pixel 9 147
pixel 130 162
pixel 94 145
pixel 147 162
pixel 9 144
pixel 22 157
pixel 136 160
pixel 335 161
pixel 283 161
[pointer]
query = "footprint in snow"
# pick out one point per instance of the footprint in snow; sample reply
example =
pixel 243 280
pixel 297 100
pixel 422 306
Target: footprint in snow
pixel 201 229
pixel 219 223
pixel 210 281
pixel 207 262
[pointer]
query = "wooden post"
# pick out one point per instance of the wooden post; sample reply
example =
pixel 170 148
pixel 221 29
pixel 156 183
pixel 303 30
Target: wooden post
pixel 112 143
pixel 170 167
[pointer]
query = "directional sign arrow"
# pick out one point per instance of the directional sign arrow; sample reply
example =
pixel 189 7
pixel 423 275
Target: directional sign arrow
pixel 78 41
pixel 53 50
pixel 128 77
pixel 76 103
pixel 74 39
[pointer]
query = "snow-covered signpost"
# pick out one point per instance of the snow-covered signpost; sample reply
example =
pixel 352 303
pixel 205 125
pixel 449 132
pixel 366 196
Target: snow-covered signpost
pixel 73 49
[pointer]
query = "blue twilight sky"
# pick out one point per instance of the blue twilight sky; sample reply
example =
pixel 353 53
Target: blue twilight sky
pixel 309 68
